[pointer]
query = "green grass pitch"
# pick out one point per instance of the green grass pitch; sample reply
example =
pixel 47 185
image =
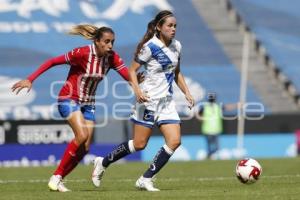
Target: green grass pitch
pixel 207 180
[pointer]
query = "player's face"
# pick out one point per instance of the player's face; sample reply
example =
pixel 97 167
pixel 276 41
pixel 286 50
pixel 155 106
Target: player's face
pixel 168 28
pixel 105 44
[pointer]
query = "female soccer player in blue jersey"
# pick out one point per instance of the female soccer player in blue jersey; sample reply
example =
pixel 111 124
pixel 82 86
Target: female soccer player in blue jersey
pixel 159 53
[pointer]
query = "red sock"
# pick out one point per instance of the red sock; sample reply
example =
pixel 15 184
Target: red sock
pixel 68 159
pixel 81 152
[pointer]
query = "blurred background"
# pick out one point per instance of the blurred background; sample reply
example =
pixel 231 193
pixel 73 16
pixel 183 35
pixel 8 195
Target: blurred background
pixel 245 51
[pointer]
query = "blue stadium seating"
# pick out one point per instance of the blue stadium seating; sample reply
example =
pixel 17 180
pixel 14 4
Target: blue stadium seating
pixel 203 59
pixel 276 25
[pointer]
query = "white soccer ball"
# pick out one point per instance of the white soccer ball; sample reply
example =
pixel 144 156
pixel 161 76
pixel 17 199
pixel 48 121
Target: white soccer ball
pixel 248 170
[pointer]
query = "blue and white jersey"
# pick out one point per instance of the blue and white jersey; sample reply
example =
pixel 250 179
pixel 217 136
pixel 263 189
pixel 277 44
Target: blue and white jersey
pixel 160 63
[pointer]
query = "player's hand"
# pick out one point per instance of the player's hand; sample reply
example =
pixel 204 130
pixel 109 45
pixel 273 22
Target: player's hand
pixel 190 100
pixel 20 85
pixel 141 97
pixel 140 77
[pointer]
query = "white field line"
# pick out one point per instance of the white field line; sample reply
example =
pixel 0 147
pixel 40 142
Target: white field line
pixel 160 179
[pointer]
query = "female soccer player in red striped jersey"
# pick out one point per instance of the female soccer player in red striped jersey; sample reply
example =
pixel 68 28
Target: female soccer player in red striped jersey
pixel 89 65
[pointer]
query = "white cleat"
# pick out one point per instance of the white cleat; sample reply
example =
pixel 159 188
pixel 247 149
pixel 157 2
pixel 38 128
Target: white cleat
pixel 98 171
pixel 146 184
pixel 56 184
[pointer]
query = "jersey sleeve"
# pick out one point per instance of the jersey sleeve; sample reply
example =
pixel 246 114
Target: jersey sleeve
pixel 144 55
pixel 118 64
pixel 73 57
pixel 47 65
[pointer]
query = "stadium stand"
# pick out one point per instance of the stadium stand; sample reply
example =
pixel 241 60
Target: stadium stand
pixel 276 27
pixel 228 29
pixel 202 52
pixel 203 59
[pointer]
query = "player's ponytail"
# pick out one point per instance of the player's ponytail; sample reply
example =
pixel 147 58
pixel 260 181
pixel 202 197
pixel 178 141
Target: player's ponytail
pixel 90 32
pixel 148 35
pixel 152 29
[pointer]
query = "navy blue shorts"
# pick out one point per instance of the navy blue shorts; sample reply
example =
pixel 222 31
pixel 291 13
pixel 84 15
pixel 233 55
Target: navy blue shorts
pixel 66 107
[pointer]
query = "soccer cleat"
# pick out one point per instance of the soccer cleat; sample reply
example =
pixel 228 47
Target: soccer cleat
pixel 56 184
pixel 98 171
pixel 146 184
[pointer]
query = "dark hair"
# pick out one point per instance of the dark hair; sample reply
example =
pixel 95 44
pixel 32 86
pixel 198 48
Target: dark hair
pixel 89 31
pixel 211 96
pixel 159 19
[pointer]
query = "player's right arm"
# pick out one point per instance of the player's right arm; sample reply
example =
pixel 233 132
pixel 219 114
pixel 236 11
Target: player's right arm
pixel 27 83
pixel 140 96
pixel 143 57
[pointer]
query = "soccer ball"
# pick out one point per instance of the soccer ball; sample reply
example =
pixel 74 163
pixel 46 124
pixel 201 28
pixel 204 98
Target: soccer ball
pixel 248 170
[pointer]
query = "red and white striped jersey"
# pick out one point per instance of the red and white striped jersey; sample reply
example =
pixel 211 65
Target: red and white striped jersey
pixel 86 71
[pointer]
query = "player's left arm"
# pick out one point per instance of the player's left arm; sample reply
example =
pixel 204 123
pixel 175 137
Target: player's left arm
pixel 180 81
pixel 118 65
pixel 122 69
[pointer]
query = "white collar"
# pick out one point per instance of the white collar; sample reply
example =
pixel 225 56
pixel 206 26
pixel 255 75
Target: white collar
pixel 160 43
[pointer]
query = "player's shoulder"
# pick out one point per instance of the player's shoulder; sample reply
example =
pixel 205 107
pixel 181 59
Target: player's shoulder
pixel 154 41
pixel 177 44
pixel 84 49
pixel 113 55
pixel 148 44
pixel 80 51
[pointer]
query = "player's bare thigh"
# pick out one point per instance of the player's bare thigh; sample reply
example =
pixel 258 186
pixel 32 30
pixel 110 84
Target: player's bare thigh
pixel 141 135
pixel 172 135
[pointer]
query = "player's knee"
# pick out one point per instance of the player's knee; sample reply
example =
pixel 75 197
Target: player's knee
pixel 174 144
pixel 177 144
pixel 81 138
pixel 140 145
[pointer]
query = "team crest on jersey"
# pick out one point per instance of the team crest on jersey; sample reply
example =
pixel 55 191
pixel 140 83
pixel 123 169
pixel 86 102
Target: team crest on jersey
pixel 170 67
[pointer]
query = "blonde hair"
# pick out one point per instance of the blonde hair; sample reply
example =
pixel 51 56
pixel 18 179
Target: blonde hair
pixel 90 32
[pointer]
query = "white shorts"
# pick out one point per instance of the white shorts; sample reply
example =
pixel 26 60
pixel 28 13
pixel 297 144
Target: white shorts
pixel 157 111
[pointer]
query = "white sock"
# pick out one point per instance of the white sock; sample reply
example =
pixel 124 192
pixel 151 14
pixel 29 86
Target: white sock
pixel 131 146
pixel 168 149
